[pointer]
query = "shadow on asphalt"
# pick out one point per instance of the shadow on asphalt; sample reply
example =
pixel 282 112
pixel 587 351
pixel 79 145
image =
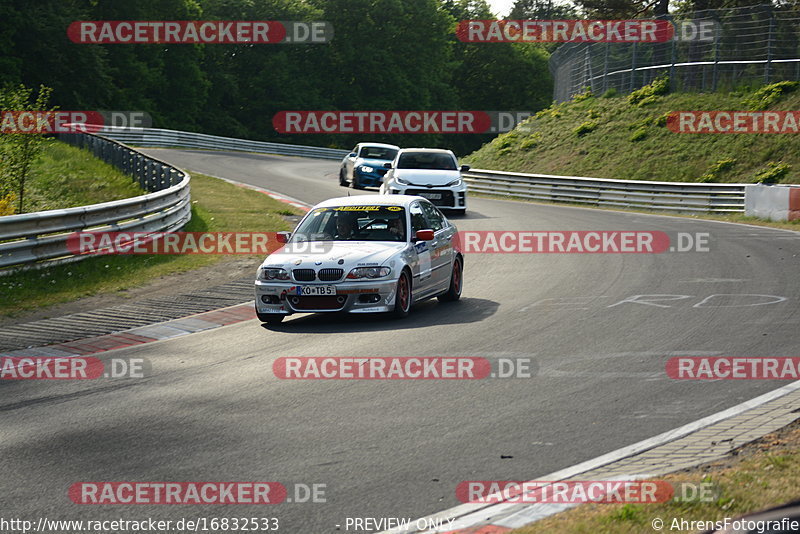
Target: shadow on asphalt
pixel 428 313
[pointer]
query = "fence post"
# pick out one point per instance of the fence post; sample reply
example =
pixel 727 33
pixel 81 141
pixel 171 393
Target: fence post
pixel 672 81
pixel 768 64
pixel 716 62
pixel 633 66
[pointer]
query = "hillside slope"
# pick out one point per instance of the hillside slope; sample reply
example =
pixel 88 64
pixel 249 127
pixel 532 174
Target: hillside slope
pixel 627 137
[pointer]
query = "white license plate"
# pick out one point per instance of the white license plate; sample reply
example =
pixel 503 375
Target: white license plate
pixel 431 196
pixel 316 290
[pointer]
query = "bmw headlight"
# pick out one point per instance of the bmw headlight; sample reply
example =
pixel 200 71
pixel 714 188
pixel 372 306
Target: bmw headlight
pixel 369 272
pixel 271 273
pixel 366 168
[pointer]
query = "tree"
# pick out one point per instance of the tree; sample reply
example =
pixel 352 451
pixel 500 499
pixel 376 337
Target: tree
pixel 19 150
pixel 496 76
pixel 542 10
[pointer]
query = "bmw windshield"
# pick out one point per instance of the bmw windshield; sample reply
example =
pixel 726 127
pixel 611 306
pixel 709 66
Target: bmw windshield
pixel 378 152
pixel 353 223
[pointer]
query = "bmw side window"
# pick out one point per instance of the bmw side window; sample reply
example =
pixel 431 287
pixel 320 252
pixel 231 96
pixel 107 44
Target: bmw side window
pixel 435 219
pixel 418 221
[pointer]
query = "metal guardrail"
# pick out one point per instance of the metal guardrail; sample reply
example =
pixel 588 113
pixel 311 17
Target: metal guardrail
pixel 41 238
pixel 156 137
pixel 673 196
pixel 676 196
pixel 37 239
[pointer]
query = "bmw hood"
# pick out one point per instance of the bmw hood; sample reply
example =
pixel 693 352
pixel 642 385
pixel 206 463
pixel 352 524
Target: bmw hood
pixel 427 176
pixel 334 254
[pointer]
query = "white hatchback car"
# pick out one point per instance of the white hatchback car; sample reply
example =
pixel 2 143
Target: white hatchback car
pixel 431 173
pixel 361 254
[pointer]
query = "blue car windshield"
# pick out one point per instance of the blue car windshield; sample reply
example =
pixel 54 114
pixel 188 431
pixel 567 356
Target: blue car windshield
pixel 378 152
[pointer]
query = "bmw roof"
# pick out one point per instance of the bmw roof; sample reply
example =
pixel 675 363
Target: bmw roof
pixel 369 200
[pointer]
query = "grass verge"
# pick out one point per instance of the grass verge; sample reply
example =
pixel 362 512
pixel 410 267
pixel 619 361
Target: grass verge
pixel 217 207
pixel 624 138
pixel 64 176
pixel 757 476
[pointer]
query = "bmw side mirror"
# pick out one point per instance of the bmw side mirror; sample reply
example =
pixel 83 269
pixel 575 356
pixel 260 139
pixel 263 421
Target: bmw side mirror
pixel 423 235
pixel 351 155
pixel 464 168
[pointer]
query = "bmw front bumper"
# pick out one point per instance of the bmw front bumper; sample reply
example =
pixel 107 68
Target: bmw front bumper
pixel 366 296
pixel 367 179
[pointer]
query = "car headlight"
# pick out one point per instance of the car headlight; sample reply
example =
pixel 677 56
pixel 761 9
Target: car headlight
pixel 401 181
pixel 270 273
pixel 455 182
pixel 366 168
pixel 369 272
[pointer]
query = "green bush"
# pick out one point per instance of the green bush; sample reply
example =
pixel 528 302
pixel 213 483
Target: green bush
pixel 650 93
pixel 531 142
pixel 638 135
pixel 641 123
pixel 585 128
pixel 611 93
pixel 506 140
pixel 585 95
pixel 661 120
pixel 551 112
pixel 721 166
pixel 774 173
pixel 769 95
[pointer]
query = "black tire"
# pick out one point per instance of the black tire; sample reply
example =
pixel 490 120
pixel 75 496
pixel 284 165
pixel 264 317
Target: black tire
pixel 342 178
pixel 456 282
pixel 270 318
pixel 403 296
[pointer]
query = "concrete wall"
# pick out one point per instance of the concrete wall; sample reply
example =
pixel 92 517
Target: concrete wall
pixel 773 202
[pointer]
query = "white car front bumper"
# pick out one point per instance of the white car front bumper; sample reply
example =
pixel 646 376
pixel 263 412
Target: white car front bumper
pixel 446 197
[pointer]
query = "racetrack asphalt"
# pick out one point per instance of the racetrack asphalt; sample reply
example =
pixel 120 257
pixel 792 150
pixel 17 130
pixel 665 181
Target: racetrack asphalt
pixel 212 410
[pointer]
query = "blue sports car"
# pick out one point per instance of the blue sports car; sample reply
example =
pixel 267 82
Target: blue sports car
pixel 364 165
